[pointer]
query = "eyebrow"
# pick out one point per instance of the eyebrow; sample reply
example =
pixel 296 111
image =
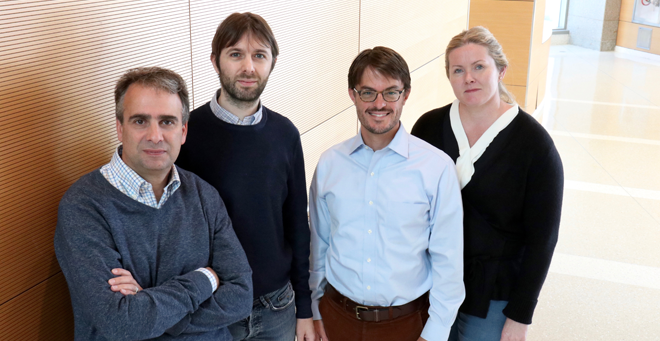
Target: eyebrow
pixel 459 65
pixel 146 117
pixel 233 49
pixel 370 88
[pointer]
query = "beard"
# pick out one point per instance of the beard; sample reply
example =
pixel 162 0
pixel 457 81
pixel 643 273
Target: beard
pixel 364 121
pixel 238 95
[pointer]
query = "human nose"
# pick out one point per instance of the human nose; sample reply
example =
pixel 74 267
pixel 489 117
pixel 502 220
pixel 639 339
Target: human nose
pixel 468 77
pixel 248 65
pixel 154 134
pixel 379 102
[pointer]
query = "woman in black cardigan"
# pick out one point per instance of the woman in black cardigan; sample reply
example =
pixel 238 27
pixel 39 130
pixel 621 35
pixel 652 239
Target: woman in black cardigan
pixel 512 184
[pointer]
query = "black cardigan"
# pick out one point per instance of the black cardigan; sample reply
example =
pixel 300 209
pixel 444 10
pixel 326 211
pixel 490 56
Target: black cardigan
pixel 512 209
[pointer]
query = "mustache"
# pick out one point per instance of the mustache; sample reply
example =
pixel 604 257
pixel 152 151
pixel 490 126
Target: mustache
pixel 369 110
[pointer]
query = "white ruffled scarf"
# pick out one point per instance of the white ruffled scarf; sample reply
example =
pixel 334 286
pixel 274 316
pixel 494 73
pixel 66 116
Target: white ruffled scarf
pixel 468 156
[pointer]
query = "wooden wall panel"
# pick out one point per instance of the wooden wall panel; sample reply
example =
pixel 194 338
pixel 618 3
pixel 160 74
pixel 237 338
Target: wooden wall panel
pixel 418 35
pixel 627 9
pixel 627 37
pixel 338 128
pixel 511 23
pixel 317 40
pixel 60 61
pixel 43 313
pixel 426 94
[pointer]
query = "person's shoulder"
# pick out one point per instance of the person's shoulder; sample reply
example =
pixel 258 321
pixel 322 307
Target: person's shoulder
pixel 282 122
pixel 421 148
pixel 429 121
pixel 200 112
pixel 87 186
pixel 434 115
pixel 196 188
pixel 531 133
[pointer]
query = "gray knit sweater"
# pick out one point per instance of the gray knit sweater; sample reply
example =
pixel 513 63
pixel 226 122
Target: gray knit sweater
pixel 99 228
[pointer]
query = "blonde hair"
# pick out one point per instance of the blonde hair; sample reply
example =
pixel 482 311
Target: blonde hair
pixel 481 36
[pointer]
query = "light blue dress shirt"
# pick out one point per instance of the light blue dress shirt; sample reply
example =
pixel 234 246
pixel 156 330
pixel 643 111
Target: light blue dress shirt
pixel 387 226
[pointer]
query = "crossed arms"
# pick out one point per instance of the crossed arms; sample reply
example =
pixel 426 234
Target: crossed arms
pixel 186 303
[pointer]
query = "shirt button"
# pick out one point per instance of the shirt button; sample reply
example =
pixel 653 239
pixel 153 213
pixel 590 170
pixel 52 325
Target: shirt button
pixel 368 260
pixel 371 202
pixel 372 173
pixel 369 231
pixel 368 287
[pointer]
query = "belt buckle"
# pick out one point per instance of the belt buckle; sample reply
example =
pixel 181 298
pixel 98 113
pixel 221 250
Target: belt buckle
pixel 357 311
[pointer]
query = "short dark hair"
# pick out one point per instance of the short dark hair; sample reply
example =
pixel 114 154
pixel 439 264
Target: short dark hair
pixel 153 77
pixel 231 30
pixel 382 59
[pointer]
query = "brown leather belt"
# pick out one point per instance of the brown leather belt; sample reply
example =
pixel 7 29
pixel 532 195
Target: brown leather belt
pixel 372 313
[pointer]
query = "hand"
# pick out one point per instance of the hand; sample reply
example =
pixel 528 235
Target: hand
pixel 217 280
pixel 320 331
pixel 514 331
pixel 124 282
pixel 305 330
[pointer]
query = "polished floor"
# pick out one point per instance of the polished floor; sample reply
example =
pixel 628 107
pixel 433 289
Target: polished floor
pixel 603 111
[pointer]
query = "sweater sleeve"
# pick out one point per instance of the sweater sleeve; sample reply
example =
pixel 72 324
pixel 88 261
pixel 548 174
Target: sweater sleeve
pixel 296 230
pixel 232 300
pixel 86 252
pixel 541 217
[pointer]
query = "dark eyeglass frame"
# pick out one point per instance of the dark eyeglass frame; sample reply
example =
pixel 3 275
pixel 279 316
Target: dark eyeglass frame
pixel 359 92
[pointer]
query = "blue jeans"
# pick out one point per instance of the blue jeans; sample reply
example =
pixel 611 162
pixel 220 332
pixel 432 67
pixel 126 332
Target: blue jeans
pixel 273 318
pixel 472 328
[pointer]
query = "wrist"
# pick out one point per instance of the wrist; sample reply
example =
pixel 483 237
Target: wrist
pixel 210 276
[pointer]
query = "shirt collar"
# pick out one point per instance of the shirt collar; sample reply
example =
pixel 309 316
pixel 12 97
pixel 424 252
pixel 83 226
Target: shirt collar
pixel 228 117
pixel 399 143
pixel 131 180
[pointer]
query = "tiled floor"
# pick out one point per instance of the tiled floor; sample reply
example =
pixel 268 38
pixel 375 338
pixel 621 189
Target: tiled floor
pixel 603 111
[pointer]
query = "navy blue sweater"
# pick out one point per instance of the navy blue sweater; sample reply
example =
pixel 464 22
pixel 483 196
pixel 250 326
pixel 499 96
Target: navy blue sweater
pixel 260 173
pixel 99 228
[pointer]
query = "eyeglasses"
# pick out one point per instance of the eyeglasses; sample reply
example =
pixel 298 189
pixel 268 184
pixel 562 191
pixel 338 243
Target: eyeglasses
pixel 368 95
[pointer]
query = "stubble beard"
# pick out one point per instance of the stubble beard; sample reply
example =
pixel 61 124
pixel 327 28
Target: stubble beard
pixel 374 130
pixel 240 97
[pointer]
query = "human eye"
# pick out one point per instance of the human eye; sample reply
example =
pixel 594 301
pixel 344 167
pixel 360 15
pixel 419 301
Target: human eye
pixel 260 56
pixel 234 55
pixel 367 93
pixel 457 70
pixel 138 121
pixel 479 67
pixel 391 93
pixel 167 122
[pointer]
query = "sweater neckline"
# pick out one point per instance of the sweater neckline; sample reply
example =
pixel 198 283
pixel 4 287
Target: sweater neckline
pixel 114 192
pixel 255 127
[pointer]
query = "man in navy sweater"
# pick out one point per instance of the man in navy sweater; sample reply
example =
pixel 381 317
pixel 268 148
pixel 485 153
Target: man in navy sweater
pixel 147 249
pixel 253 157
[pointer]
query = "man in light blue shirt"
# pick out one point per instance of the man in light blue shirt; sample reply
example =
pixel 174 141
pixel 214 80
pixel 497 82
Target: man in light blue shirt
pixel 386 220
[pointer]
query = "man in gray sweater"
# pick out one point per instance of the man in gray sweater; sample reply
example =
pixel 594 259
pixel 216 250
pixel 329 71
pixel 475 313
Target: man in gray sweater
pixel 147 248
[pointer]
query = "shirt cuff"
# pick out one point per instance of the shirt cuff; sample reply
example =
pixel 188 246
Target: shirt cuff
pixel 316 314
pixel 210 276
pixel 435 332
